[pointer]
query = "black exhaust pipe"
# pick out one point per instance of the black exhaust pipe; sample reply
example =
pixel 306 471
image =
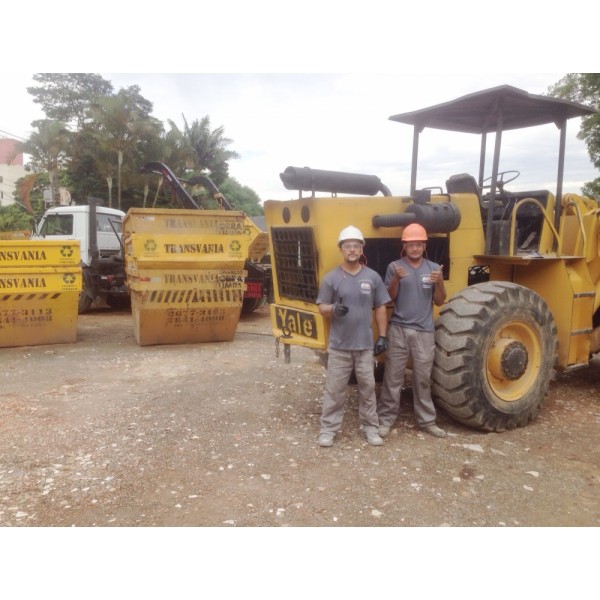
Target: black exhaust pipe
pixel 436 218
pixel 335 182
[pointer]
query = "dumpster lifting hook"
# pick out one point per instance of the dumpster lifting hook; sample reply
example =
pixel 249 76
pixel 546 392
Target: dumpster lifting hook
pixel 286 334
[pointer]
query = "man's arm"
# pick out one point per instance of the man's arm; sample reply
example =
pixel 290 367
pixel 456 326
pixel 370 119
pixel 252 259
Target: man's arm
pixel 439 291
pixel 381 320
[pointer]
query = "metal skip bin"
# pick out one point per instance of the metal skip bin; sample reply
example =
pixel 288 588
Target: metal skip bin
pixel 185 272
pixel 38 302
pixel 178 306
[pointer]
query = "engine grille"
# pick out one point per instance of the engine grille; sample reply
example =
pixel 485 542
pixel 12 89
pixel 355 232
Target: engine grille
pixel 295 263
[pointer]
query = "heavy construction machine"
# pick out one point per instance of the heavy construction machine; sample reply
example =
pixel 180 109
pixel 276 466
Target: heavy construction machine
pixel 258 280
pixel 521 268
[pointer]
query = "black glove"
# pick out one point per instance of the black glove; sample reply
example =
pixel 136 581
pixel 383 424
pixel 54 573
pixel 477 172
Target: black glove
pixel 380 345
pixel 339 309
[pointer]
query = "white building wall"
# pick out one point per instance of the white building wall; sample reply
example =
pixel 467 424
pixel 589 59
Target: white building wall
pixel 9 174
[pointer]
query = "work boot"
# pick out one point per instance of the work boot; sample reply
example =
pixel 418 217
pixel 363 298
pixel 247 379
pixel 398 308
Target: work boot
pixel 384 430
pixel 434 430
pixel 373 438
pixel 326 440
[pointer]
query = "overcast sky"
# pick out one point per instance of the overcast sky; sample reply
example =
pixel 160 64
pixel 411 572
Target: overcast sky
pixel 338 122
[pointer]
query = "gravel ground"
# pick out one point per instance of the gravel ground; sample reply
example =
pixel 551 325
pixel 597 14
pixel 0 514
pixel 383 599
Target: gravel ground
pixel 105 433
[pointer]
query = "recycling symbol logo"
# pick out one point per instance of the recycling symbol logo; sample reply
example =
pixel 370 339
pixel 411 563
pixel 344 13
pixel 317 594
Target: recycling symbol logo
pixel 150 245
pixel 66 251
pixel 69 278
pixel 247 231
pixel 235 246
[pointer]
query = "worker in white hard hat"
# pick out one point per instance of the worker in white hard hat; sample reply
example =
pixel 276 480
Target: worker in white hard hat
pixel 415 285
pixel 347 296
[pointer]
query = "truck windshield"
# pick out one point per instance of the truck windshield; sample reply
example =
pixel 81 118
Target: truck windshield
pixel 57 225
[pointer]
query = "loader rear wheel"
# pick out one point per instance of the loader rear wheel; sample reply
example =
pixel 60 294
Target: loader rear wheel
pixel 496 348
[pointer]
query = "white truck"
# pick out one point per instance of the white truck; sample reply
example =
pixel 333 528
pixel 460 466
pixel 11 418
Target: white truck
pixel 99 231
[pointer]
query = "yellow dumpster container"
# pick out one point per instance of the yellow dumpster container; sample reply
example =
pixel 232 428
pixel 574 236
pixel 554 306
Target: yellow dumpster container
pixel 38 305
pixel 183 221
pixel 185 272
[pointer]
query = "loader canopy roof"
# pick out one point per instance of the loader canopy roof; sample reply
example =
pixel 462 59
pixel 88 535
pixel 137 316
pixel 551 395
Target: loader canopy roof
pixel 478 112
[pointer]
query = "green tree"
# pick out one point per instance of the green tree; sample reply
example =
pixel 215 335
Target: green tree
pixel 585 89
pixel 68 97
pixel 15 218
pixel 205 150
pixel 241 197
pixel 121 124
pixel 47 145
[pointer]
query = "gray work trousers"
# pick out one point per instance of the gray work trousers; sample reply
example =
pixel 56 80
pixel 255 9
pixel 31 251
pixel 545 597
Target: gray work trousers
pixel 339 368
pixel 402 343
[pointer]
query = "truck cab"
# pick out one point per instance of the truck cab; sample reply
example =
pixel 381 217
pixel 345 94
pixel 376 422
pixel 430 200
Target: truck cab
pixel 99 231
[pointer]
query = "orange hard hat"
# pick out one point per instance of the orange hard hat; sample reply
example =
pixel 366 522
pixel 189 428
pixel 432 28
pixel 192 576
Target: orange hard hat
pixel 414 233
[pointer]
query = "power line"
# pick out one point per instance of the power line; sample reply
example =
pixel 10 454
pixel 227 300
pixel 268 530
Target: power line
pixel 11 135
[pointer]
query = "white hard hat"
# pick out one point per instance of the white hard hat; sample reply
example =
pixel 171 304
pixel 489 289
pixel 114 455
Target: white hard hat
pixel 350 233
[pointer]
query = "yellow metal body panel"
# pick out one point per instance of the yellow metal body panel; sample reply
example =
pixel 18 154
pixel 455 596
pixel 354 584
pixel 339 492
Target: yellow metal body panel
pixel 146 250
pixel 186 279
pixel 183 221
pixel 34 319
pixel 325 217
pixel 39 253
pixel 175 317
pixel 40 280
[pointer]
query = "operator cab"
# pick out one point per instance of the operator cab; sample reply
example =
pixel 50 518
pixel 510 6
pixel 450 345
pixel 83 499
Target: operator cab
pixel 496 110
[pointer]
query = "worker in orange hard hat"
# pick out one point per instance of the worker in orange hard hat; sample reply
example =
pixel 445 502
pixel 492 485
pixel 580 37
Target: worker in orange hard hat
pixel 415 284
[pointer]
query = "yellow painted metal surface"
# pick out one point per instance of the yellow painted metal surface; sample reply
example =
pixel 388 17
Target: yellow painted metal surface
pixel 40 283
pixel 40 280
pixel 183 221
pixel 39 253
pixel 185 272
pixel 147 250
pixel 186 279
pixel 33 318
pixel 174 317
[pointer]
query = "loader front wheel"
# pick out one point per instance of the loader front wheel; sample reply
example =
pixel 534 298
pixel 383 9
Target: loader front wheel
pixel 496 348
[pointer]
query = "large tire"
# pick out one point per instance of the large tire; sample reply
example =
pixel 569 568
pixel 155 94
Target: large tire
pixel 496 348
pixel 118 302
pixel 85 301
pixel 249 305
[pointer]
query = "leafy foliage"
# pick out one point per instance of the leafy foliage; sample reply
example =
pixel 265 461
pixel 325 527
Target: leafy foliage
pixel 94 142
pixel 68 97
pixel 585 89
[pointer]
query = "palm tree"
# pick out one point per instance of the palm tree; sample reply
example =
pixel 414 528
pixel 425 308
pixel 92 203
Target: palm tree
pixel 47 147
pixel 205 150
pixel 120 126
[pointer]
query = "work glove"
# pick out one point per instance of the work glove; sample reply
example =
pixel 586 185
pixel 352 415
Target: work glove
pixel 380 345
pixel 339 309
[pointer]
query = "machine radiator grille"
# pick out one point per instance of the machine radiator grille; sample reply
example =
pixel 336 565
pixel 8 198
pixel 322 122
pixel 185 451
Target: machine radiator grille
pixel 295 263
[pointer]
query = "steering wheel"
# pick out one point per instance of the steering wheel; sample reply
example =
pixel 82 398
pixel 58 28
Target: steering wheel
pixel 504 177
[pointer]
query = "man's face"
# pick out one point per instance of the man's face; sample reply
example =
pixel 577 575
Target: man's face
pixel 351 250
pixel 414 250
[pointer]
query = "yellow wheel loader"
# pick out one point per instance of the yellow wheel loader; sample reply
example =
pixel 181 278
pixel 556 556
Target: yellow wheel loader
pixel 522 268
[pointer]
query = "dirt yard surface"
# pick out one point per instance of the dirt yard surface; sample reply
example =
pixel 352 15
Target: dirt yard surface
pixel 105 433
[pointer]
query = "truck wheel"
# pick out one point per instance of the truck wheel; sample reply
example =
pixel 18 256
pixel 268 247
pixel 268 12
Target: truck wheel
pixel 85 302
pixel 496 348
pixel 118 301
pixel 249 305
